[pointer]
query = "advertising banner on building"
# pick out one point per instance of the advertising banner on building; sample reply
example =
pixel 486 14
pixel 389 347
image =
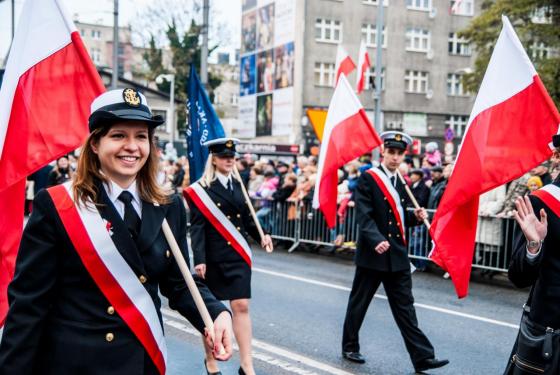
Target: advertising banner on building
pixel 266 68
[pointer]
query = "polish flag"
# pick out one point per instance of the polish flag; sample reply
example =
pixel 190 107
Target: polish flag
pixel 363 66
pixel 344 63
pixel 455 8
pixel 48 86
pixel 348 134
pixel 511 125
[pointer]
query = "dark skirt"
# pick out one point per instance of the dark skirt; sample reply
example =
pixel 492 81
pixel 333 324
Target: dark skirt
pixel 229 280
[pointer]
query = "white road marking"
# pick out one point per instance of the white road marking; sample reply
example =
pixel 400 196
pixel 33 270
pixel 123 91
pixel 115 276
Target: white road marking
pixel 381 296
pixel 169 319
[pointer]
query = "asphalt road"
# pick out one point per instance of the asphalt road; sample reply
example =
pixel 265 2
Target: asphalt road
pixel 298 307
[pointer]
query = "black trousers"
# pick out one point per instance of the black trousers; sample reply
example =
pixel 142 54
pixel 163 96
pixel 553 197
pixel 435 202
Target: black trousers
pixel 398 286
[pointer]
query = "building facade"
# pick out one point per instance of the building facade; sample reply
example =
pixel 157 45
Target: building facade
pixel 423 59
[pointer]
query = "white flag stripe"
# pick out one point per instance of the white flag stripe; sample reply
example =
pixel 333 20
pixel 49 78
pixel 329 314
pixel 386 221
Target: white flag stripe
pixel 500 84
pixel 43 31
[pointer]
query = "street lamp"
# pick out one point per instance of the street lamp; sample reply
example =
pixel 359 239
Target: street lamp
pixel 171 123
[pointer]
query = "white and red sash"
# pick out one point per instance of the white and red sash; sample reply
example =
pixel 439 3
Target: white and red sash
pixel 391 195
pixel 216 217
pixel 112 274
pixel 550 195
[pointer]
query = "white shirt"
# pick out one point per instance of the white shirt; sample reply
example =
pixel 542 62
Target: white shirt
pixel 224 180
pixel 113 191
pixel 390 174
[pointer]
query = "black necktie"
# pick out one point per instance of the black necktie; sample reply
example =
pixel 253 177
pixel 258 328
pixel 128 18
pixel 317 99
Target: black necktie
pixel 131 218
pixel 229 187
pixel 393 181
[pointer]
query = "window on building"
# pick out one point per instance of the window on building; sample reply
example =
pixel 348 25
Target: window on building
pixel 458 46
pixel 375 2
pixel 324 74
pixel 217 97
pixel 328 30
pixel 95 55
pixel 82 33
pixel 457 123
pixel 455 85
pixel 369 35
pixel 234 99
pixel 416 81
pixel 425 5
pixel 462 7
pixel 542 15
pixel 96 34
pixel 417 40
pixel 539 50
pixel 370 79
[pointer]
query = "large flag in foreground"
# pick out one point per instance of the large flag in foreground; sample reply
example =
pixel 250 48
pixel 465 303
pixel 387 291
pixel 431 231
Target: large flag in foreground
pixel 511 124
pixel 204 125
pixel 45 100
pixel 348 134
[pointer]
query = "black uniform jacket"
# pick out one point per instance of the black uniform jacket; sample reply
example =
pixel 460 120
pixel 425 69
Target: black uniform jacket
pixel 59 321
pixel 377 223
pixel 421 192
pixel 543 272
pixel 208 245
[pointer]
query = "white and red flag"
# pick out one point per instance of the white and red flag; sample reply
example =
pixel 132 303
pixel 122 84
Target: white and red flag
pixel 344 64
pixel 363 66
pixel 348 134
pixel 510 127
pixel 45 98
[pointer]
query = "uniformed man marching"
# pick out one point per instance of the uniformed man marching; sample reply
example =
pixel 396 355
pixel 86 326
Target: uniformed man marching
pixel 382 255
pixel 220 223
pixel 93 259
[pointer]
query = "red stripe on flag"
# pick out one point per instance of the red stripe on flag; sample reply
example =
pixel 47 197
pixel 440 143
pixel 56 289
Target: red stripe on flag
pixel 102 276
pixel 348 140
pixel 514 133
pixel 190 194
pixel 363 69
pixel 346 67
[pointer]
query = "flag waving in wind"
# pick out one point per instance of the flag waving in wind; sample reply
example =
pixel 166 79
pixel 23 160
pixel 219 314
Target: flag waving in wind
pixel 344 64
pixel 45 100
pixel 348 134
pixel 204 125
pixel 511 124
pixel 363 66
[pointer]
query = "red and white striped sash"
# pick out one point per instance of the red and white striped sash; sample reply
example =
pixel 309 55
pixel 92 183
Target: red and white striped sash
pixel 216 217
pixel 392 196
pixel 550 195
pixel 112 274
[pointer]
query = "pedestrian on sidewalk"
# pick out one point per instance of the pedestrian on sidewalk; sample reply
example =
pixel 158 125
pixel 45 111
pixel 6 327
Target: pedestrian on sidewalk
pixel 220 223
pixel 536 263
pixel 382 255
pixel 93 259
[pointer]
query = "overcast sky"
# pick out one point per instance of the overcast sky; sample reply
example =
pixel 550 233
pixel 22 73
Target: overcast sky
pixel 227 12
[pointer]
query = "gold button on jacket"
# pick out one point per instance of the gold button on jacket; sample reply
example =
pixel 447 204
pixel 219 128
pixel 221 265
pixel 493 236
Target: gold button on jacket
pixel 110 310
pixel 109 337
pixel 142 279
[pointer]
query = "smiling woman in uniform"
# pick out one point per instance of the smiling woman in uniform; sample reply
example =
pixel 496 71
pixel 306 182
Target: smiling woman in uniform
pixel 84 298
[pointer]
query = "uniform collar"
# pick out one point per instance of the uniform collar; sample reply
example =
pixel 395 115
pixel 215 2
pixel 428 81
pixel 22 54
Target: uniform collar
pixel 223 178
pixel 113 191
pixel 387 172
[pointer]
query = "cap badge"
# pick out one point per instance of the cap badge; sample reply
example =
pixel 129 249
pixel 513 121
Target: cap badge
pixel 229 144
pixel 398 137
pixel 131 97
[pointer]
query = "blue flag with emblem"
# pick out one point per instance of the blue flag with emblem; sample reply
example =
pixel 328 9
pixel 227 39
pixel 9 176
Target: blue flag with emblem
pixel 204 125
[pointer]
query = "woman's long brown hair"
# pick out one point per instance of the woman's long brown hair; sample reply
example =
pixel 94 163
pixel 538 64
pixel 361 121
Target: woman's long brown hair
pixel 86 190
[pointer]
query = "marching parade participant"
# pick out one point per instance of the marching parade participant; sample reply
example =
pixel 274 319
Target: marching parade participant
pixel 84 299
pixel 382 257
pixel 220 222
pixel 536 262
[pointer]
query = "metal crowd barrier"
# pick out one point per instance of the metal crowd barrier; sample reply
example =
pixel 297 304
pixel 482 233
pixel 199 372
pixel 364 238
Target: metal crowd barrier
pixel 300 223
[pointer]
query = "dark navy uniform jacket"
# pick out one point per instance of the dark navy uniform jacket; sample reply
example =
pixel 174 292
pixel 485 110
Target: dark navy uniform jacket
pixel 543 271
pixel 208 245
pixel 377 222
pixel 59 322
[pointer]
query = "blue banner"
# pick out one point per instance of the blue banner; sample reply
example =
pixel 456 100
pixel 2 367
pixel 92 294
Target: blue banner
pixel 204 125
